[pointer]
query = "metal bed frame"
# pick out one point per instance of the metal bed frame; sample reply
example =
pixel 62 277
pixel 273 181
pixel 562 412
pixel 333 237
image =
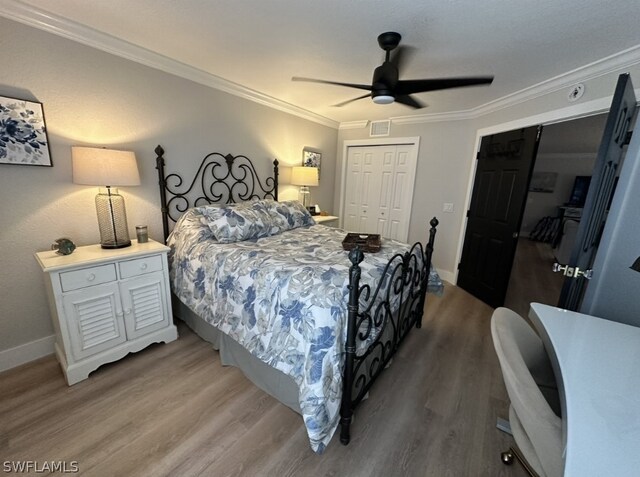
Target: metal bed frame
pixel 231 179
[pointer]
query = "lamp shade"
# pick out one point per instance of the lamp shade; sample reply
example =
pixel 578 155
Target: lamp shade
pixel 304 176
pixel 104 167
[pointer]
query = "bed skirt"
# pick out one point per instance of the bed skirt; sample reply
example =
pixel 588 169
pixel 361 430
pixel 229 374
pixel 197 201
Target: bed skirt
pixel 270 380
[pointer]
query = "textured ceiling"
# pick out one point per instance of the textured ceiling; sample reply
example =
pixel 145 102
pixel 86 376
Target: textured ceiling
pixel 261 44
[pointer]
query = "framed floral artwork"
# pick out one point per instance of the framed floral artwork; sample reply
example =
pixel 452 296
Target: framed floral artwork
pixel 23 135
pixel 311 158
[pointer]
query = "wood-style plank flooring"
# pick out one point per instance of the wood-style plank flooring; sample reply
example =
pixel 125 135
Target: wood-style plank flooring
pixel 532 279
pixel 172 409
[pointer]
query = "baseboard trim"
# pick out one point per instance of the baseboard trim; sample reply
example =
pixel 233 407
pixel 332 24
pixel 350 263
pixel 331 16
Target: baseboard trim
pixel 13 357
pixel 447 276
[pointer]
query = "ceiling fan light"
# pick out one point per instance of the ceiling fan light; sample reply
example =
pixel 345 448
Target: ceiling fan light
pixel 383 99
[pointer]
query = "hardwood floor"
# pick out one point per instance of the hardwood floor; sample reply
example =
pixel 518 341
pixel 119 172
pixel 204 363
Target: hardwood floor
pixel 172 409
pixel 532 279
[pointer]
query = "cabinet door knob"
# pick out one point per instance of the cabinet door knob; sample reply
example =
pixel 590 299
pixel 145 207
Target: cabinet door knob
pixel 143 266
pixel 91 277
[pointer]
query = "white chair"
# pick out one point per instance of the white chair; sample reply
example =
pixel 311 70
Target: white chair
pixel 536 429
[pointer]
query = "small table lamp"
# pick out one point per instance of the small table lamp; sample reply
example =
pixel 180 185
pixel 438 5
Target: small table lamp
pixel 107 168
pixel 304 177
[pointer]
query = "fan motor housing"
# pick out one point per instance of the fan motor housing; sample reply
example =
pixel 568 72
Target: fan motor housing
pixel 389 40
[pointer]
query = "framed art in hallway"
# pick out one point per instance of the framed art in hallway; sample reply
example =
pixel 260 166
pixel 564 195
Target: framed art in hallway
pixel 23 134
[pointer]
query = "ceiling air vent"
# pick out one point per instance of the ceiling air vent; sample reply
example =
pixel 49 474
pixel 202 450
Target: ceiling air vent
pixel 380 128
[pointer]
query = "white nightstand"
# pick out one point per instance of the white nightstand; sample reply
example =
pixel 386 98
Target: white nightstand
pixel 330 220
pixel 107 303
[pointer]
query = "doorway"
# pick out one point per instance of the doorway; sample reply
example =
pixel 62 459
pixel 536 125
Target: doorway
pixel 616 135
pixel 567 153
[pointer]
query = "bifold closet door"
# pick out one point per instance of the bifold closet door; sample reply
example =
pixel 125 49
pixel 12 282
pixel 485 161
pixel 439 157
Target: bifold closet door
pixel 363 188
pixel 379 190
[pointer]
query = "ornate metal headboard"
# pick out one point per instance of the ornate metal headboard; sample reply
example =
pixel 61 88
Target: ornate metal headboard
pixel 219 179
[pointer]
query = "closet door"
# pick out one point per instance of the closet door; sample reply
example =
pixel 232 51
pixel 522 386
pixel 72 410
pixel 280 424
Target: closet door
pixel 385 169
pixel 402 182
pixel 362 190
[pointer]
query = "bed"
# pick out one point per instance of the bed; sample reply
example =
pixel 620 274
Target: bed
pixel 276 294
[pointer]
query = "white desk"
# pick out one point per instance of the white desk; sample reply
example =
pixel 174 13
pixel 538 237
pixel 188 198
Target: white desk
pixel 597 364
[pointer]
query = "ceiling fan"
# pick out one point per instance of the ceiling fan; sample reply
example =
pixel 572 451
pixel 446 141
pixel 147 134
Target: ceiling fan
pixel 386 87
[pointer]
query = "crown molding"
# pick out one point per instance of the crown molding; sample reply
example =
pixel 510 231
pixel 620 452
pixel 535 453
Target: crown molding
pixel 51 23
pixel 616 62
pixel 354 124
pixel 609 64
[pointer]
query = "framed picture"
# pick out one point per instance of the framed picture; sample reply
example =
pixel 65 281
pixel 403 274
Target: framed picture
pixel 23 135
pixel 311 158
pixel 543 181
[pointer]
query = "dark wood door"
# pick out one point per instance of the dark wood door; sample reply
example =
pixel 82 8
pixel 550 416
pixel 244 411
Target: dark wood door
pixel 505 162
pixel 605 170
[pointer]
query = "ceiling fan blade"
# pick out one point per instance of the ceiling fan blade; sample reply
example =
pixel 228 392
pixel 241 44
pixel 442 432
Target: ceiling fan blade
pixel 409 101
pixel 348 85
pixel 420 86
pixel 352 100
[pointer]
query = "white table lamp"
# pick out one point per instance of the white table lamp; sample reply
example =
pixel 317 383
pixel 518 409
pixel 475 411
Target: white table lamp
pixel 107 168
pixel 304 177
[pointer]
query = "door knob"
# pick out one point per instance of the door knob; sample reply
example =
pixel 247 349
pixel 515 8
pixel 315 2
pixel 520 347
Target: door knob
pixel 515 235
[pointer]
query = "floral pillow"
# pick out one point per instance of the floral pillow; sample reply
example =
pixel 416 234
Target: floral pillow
pixel 193 225
pixel 253 220
pixel 289 215
pixel 238 222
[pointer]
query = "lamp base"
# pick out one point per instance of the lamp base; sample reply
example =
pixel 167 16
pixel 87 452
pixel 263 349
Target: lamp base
pixel 116 245
pixel 112 219
pixel 304 192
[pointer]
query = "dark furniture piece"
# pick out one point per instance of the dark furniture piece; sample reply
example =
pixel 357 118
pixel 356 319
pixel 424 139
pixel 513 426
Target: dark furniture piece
pixel 230 179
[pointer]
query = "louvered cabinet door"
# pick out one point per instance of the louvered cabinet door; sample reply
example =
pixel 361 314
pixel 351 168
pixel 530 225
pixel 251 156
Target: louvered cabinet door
pixel 95 319
pixel 144 305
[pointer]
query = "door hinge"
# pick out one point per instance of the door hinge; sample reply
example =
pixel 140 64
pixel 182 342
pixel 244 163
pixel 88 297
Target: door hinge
pixel 627 138
pixel 468 212
pixel 459 265
pixel 572 272
pixel 477 155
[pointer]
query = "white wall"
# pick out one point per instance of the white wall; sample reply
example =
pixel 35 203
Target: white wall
pixel 94 98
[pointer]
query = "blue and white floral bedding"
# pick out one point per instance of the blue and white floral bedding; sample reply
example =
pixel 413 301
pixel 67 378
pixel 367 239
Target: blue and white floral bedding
pixel 283 297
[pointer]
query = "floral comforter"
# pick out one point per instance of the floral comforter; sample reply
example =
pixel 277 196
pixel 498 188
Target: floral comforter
pixel 284 298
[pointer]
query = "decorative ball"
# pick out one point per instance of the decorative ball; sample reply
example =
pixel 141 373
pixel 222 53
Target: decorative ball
pixel 63 246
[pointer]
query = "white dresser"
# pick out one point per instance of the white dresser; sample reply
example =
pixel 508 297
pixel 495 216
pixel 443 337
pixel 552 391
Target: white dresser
pixel 107 303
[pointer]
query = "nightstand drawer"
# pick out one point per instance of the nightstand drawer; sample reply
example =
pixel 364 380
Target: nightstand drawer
pixel 87 277
pixel 140 266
